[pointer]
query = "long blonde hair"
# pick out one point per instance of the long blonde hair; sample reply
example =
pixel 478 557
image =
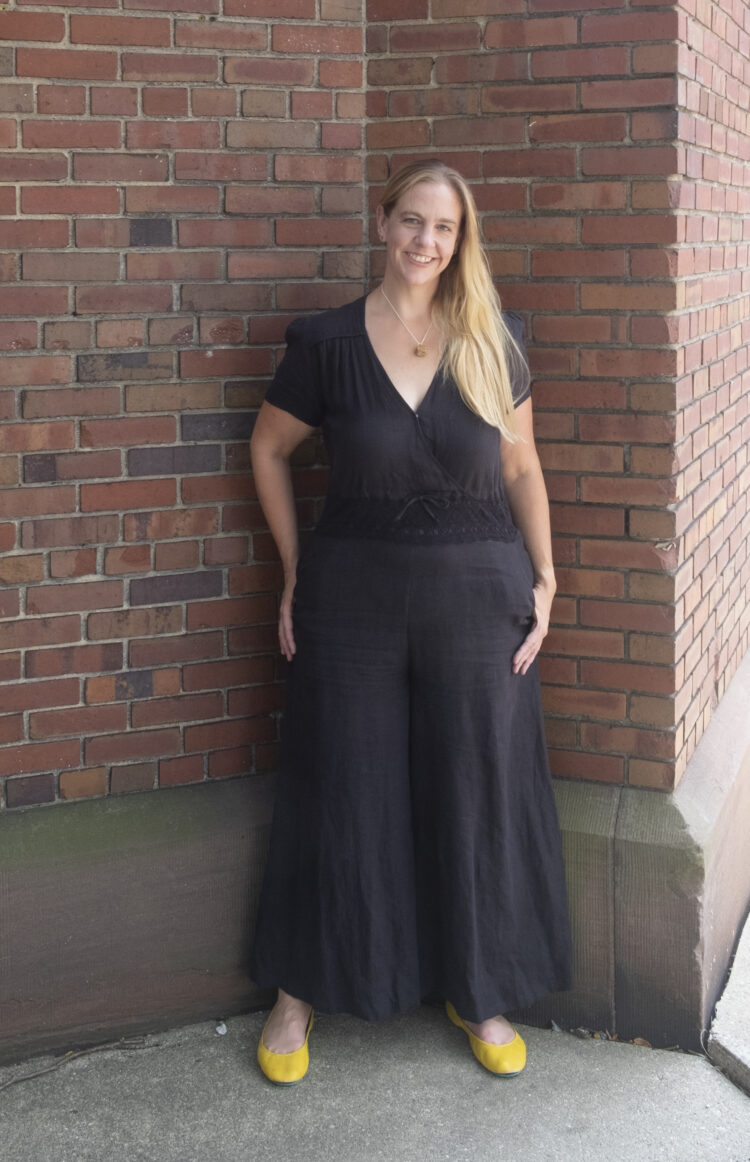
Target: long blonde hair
pixel 481 354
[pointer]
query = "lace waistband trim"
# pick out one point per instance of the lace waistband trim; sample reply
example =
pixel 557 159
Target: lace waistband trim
pixel 422 518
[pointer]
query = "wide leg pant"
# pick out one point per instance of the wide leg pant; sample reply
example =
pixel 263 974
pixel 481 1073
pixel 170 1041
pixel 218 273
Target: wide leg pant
pixel 415 848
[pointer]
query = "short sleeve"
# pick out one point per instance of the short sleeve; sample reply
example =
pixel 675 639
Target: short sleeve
pixel 295 388
pixel 519 364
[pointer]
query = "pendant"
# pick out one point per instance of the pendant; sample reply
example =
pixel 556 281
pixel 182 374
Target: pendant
pixel 420 350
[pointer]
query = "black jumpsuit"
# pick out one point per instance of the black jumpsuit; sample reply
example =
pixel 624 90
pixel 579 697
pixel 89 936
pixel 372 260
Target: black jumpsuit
pixel 415 850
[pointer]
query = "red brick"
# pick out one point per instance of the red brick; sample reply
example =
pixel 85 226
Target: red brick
pixel 627 364
pixel 435 37
pixel 301 167
pixel 164 525
pixel 128 559
pixel 71 134
pixel 119 167
pixel 17 760
pixel 480 131
pixel 191 199
pixel 73 563
pixel 659 159
pixel 578 263
pixel 292 9
pixel 583 703
pixel 225 167
pixel 122 300
pixel 177 66
pixel 530 33
pixel 616 297
pixel 317 38
pixel 159 101
pixel 579 127
pixel 225 763
pixel 34 695
pixel 77 720
pixel 338 74
pixel 256 70
pixel 229 734
pixel 134 623
pixel 185 647
pixel 67 64
pixel 119 30
pixel 628 615
pixel 633 26
pixel 127 494
pixel 629 94
pixel 390 72
pixel 81 596
pixel 523 98
pixel 19 336
pixel 132 745
pixel 11 728
pixel 576 764
pixel 16 502
pixel 84 784
pixel 79 401
pixel 67 266
pixel 192 134
pixel 70 200
pixel 220 34
pixel 231 611
pixel 611 60
pixel 641 229
pixel 126 432
pixel 26 234
pixel 198 364
pixel 249 200
pixel 214 102
pixel 108 101
pixel 61 100
pixel 175 772
pixel 35 26
pixel 19 570
pixel 34 167
pixel 171 266
pixel 533 230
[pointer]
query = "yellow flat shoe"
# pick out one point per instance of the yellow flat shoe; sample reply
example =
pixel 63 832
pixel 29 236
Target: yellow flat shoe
pixel 285 1068
pixel 502 1060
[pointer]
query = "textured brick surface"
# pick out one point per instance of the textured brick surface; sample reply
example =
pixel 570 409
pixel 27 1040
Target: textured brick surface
pixel 180 180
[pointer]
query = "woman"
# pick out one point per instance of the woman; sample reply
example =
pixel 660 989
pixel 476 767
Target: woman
pixel 415 848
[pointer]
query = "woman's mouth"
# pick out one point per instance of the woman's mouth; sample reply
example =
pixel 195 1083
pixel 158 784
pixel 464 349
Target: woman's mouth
pixel 422 259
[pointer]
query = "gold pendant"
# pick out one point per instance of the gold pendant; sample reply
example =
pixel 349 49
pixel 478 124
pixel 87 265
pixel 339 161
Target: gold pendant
pixel 420 350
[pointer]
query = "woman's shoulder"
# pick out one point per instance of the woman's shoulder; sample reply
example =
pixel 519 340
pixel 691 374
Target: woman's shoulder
pixel 337 323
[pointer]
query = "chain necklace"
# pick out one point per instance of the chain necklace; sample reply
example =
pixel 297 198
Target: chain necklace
pixel 420 348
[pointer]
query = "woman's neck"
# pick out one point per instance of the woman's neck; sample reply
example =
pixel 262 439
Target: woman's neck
pixel 410 301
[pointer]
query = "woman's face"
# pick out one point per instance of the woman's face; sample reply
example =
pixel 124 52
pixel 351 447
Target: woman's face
pixel 421 233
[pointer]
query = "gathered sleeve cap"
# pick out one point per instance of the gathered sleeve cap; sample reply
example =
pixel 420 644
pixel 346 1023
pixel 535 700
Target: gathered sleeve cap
pixel 518 364
pixel 296 387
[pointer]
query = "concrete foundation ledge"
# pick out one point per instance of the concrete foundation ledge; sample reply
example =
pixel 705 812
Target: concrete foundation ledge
pixel 128 914
pixel 729 1039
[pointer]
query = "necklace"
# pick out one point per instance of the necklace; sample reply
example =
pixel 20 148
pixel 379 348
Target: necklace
pixel 420 348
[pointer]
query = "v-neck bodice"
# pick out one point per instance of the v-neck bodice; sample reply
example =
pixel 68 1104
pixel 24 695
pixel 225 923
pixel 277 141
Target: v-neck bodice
pixel 394 471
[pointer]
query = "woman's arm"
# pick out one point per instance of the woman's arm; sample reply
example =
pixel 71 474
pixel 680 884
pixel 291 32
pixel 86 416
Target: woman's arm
pixel 275 436
pixel 527 497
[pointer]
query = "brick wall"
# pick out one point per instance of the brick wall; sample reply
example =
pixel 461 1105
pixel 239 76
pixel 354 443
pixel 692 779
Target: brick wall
pixel 181 179
pixel 181 183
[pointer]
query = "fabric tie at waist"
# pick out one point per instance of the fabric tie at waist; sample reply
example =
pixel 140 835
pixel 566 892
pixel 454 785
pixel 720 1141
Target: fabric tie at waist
pixel 433 503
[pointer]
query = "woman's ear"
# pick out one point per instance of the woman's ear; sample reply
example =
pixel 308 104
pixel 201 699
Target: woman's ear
pixel 381 220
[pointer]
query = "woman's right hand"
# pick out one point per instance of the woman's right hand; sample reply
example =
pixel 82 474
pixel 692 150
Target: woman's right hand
pixel 286 631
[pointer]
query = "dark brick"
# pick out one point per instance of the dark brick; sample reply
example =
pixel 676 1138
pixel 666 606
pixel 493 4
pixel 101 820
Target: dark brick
pixel 151 232
pixel 22 792
pixel 171 461
pixel 175 587
pixel 39 468
pixel 218 426
pixel 134 684
pixel 125 367
pixel 134 777
pixel 6 62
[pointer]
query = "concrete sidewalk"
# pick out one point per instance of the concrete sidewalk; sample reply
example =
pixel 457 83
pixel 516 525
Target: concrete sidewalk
pixel 404 1090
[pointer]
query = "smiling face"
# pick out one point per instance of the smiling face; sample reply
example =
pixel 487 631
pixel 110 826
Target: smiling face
pixel 421 233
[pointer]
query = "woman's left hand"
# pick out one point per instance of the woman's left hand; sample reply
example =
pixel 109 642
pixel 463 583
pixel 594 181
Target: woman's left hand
pixel 532 643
